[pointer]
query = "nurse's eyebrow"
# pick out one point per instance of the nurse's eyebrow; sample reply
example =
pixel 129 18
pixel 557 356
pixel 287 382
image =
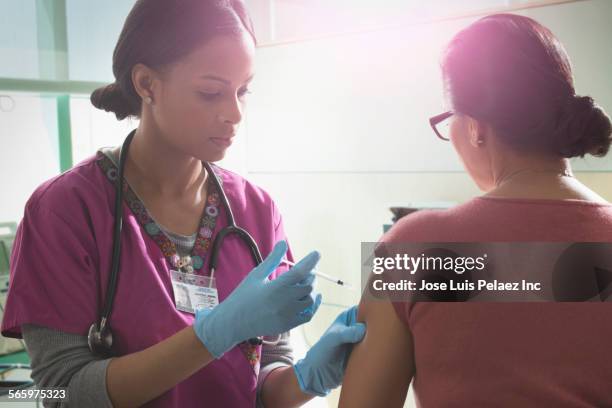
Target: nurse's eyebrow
pixel 216 78
pixel 225 81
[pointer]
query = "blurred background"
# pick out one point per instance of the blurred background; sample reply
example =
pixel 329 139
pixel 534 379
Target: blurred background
pixel 336 128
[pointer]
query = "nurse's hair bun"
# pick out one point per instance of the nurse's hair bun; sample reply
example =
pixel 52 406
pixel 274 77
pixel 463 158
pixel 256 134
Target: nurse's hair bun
pixel 583 128
pixel 111 99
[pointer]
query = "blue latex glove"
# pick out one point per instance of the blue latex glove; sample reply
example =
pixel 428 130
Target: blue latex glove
pixel 259 306
pixel 323 367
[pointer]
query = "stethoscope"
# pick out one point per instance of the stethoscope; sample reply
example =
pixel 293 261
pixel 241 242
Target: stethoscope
pixel 100 338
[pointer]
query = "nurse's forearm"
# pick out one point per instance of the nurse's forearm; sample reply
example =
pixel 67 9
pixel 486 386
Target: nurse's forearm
pixel 136 378
pixel 281 389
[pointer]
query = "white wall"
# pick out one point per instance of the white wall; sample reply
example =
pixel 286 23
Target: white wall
pixel 28 155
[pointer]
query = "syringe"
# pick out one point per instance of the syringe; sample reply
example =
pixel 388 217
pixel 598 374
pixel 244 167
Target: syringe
pixel 322 275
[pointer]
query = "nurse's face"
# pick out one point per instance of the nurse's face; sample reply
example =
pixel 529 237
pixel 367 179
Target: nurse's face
pixel 199 100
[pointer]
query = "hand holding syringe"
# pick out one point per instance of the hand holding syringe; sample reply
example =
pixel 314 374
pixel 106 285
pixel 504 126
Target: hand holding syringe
pixel 324 276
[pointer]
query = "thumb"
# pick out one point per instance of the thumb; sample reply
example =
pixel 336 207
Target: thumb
pixel 354 333
pixel 269 265
pixel 351 315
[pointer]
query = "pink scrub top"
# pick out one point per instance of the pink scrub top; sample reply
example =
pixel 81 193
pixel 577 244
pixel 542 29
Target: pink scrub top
pixel 61 261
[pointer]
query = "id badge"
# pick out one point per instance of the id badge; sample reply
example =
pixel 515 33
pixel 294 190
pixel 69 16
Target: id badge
pixel 193 292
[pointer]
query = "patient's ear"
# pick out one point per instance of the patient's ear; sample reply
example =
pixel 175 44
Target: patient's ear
pixel 478 132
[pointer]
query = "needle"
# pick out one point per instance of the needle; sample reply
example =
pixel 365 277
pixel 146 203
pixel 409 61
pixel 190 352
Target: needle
pixel 324 276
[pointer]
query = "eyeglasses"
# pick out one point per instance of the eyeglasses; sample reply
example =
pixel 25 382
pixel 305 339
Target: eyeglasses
pixel 441 125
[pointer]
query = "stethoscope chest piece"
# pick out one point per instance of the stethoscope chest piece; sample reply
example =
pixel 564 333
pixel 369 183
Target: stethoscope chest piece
pixel 100 341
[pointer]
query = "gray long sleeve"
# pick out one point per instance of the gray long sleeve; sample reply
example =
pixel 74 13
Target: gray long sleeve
pixel 61 359
pixel 273 357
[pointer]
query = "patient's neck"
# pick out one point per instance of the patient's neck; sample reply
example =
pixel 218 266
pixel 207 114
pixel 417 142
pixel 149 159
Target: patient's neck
pixel 538 177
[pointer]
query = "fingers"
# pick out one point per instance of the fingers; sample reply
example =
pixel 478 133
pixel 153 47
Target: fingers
pixel 349 315
pixel 306 308
pixel 347 318
pixel 311 310
pixel 301 289
pixel 354 333
pixel 271 262
pixel 302 304
pixel 299 292
pixel 300 271
pixel 302 311
pixel 309 281
pixel 350 330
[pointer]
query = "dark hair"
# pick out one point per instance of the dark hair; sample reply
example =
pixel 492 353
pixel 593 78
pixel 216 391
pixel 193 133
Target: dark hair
pixel 512 73
pixel 160 32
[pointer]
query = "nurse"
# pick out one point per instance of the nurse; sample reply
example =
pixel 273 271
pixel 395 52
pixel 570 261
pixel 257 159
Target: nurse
pixel 182 67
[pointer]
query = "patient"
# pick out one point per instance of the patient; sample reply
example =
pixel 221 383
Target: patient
pixel 515 121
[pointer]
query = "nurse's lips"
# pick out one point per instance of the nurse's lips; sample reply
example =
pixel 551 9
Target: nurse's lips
pixel 222 141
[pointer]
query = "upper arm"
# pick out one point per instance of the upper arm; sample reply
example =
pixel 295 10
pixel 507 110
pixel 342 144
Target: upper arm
pixel 381 367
